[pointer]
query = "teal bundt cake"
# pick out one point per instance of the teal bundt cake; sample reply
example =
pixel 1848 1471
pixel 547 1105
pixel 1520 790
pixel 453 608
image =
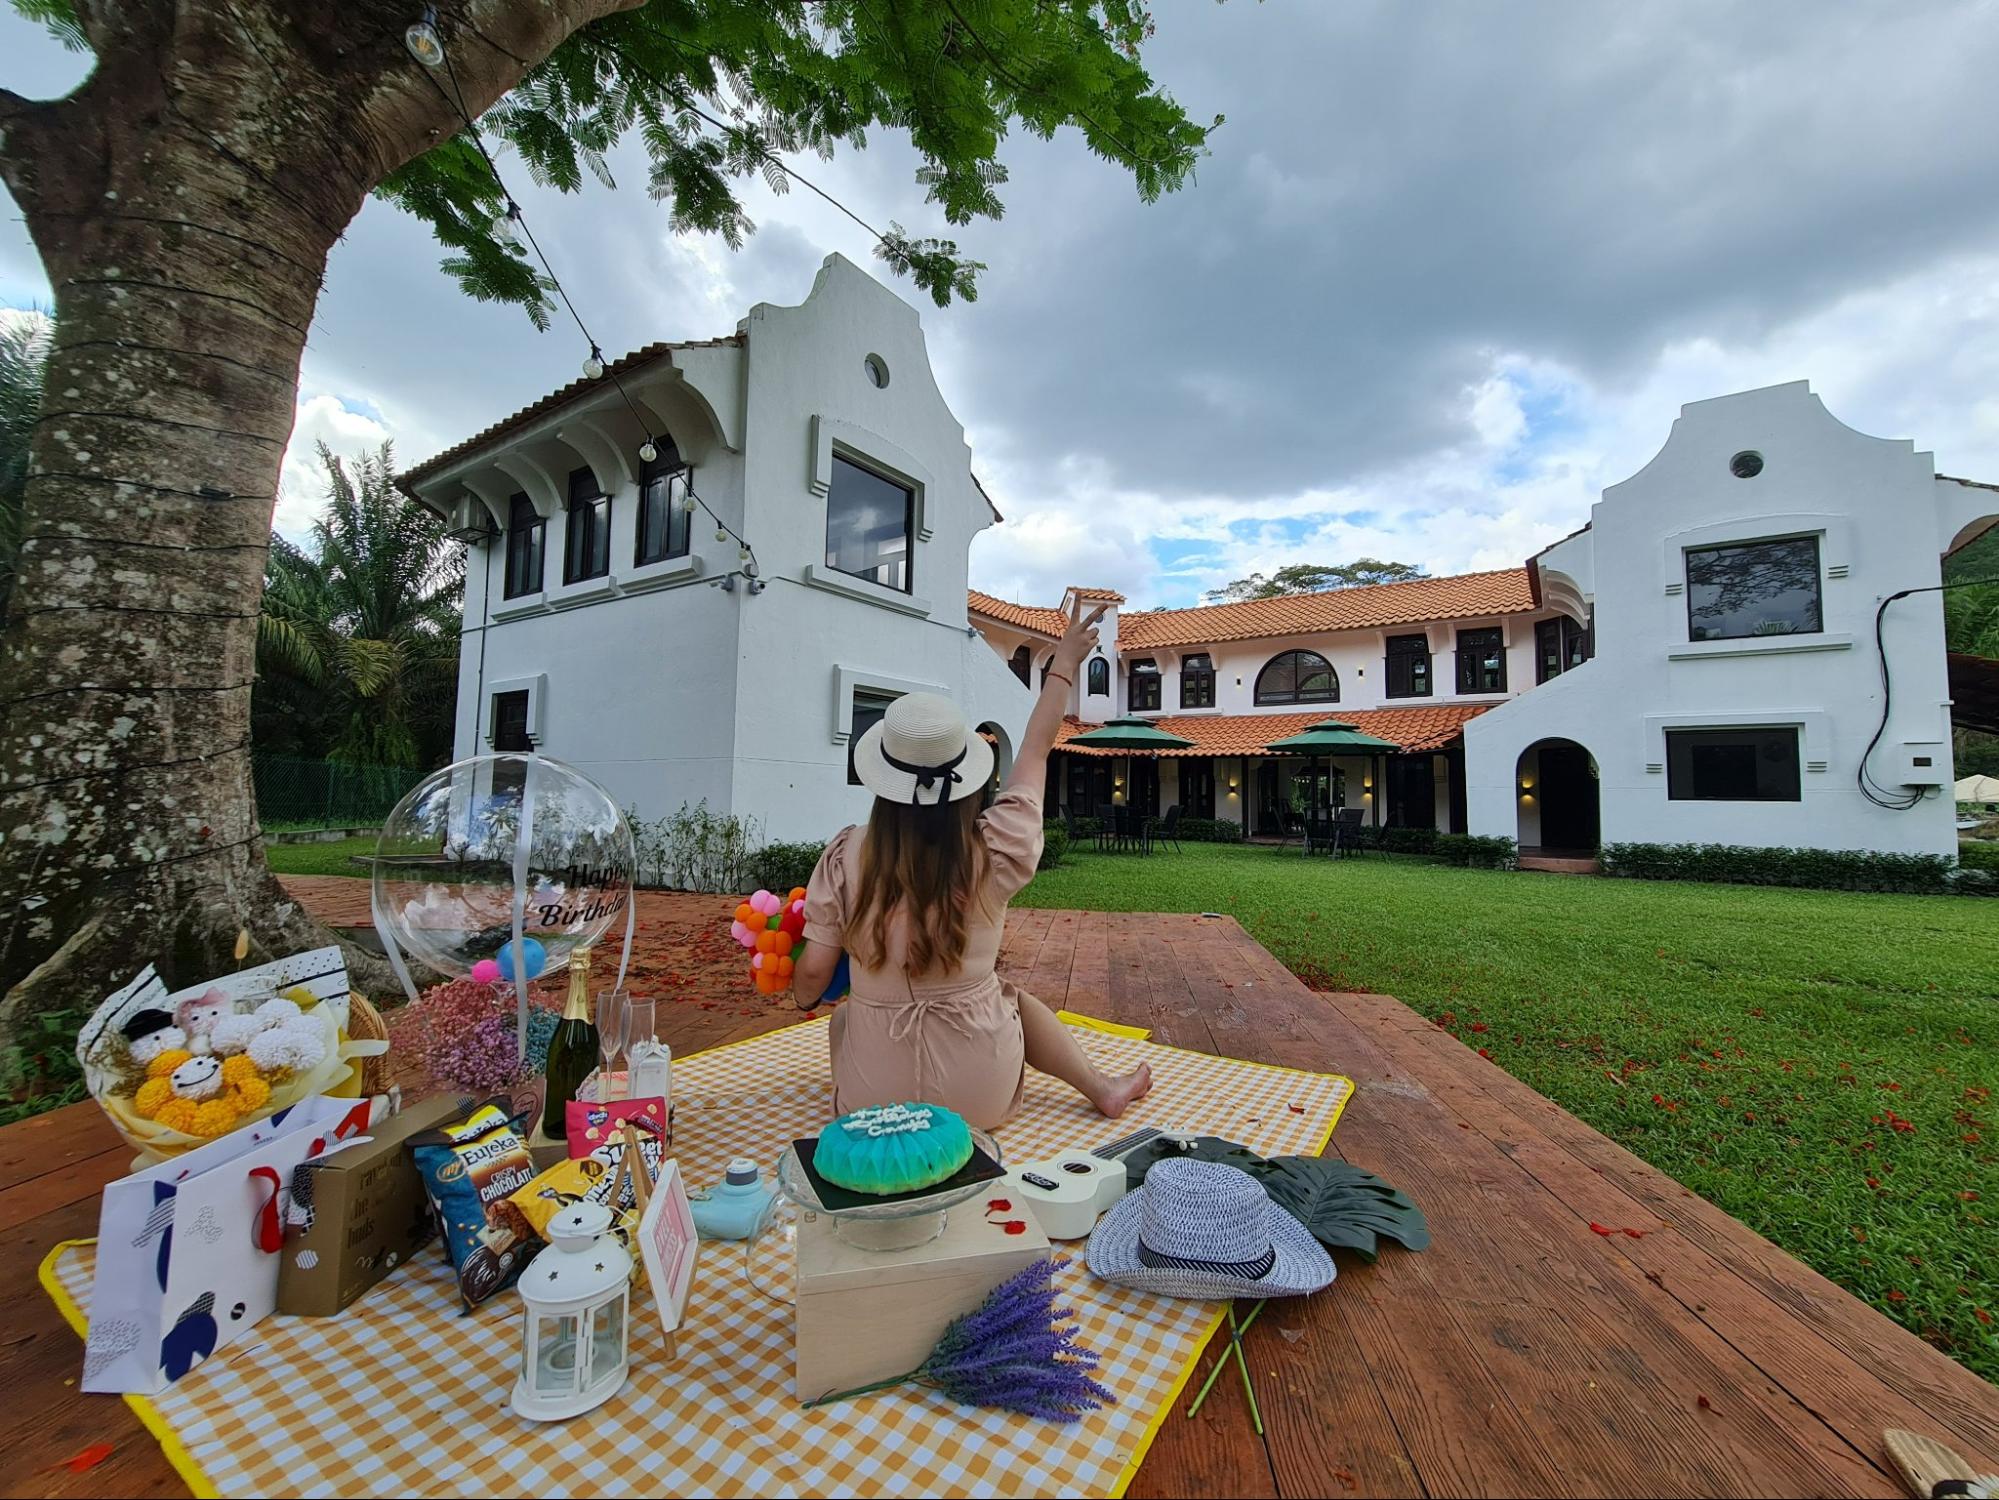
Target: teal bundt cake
pixel 893 1148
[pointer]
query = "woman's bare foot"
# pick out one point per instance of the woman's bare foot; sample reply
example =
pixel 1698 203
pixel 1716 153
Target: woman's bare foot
pixel 1116 1094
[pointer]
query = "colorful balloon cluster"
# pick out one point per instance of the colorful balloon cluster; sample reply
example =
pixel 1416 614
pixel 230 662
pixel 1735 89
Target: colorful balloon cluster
pixel 773 928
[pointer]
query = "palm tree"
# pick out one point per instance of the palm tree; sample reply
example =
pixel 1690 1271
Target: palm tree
pixel 359 630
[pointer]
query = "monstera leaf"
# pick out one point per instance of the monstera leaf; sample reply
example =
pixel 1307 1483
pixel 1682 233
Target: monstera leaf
pixel 1344 1207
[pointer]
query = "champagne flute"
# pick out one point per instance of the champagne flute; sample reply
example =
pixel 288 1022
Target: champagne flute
pixel 641 1023
pixel 613 1023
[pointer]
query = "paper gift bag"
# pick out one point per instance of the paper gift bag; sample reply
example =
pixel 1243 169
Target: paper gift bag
pixel 187 1251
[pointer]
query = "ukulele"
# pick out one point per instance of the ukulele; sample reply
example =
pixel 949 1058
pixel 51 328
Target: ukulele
pixel 1066 1193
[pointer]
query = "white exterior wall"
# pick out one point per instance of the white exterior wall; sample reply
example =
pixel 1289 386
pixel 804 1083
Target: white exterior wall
pixel 1882 520
pixel 668 688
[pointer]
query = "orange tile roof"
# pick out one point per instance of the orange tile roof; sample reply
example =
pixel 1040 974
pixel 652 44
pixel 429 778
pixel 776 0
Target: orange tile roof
pixel 1082 593
pixel 554 399
pixel 1430 727
pixel 1505 591
pixel 1049 622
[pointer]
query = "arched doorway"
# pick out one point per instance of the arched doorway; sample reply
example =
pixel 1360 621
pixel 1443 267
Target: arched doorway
pixel 1557 798
pixel 1002 752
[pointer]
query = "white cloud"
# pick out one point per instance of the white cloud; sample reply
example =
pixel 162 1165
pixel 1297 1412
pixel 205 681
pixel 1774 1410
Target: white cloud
pixel 325 419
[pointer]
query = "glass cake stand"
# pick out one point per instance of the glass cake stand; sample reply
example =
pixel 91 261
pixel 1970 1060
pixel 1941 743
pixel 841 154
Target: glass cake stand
pixel 895 1223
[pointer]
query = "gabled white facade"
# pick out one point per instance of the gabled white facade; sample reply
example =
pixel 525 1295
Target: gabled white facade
pixel 1668 718
pixel 687 679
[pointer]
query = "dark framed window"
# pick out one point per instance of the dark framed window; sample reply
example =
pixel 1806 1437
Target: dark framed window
pixel 1021 664
pixel 869 522
pixel 1560 645
pixel 1297 677
pixel 1089 785
pixel 1481 661
pixel 586 544
pixel 665 527
pixel 1100 677
pixel 868 710
pixel 510 733
pixel 1753 588
pixel 1408 667
pixel 1144 685
pixel 1732 765
pixel 527 536
pixel 1197 683
pixel 1197 787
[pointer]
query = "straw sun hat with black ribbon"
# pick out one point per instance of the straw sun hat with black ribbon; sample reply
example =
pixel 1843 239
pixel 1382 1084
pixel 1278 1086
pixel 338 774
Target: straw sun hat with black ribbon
pixel 923 752
pixel 1203 1229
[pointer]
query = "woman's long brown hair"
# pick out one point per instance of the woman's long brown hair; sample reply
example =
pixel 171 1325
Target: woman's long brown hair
pixel 926 862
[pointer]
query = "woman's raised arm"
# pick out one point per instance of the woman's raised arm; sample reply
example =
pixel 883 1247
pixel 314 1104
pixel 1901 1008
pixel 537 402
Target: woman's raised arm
pixel 1030 762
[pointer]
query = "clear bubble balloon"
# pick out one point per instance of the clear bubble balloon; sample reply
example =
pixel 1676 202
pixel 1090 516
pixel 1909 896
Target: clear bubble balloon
pixel 444 873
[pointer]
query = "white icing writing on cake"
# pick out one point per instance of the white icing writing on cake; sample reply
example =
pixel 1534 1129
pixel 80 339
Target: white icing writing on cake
pixel 887 1119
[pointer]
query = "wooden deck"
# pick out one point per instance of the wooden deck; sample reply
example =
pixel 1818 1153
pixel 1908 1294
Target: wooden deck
pixel 1523 1354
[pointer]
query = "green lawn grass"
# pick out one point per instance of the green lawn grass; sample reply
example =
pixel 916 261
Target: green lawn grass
pixel 1819 1064
pixel 336 858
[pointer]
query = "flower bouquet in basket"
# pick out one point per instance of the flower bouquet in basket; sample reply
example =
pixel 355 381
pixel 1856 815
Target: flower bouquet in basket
pixel 174 1071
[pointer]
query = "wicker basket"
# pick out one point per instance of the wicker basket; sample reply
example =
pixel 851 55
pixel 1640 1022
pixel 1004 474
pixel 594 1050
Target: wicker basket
pixel 365 1024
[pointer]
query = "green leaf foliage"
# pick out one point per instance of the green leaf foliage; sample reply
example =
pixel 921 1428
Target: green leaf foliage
pixel 1344 1207
pixel 718 91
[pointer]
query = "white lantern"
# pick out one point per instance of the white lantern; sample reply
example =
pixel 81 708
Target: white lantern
pixel 574 1330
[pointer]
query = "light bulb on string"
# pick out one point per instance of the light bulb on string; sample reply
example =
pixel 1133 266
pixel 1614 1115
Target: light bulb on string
pixel 648 451
pixel 507 226
pixel 721 535
pixel 742 554
pixel 423 42
pixel 689 503
pixel 593 367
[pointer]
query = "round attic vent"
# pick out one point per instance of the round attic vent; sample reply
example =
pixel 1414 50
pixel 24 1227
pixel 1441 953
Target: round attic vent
pixel 877 368
pixel 1746 464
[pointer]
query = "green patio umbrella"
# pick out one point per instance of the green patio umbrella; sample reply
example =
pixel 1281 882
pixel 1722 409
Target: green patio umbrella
pixel 1130 734
pixel 1331 737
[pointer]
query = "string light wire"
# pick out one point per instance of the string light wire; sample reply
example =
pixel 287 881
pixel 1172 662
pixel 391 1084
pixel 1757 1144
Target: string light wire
pixel 595 365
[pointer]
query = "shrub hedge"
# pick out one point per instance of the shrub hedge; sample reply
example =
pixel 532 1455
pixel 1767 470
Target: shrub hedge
pixel 780 867
pixel 1473 851
pixel 1814 869
pixel 1054 844
pixel 1211 830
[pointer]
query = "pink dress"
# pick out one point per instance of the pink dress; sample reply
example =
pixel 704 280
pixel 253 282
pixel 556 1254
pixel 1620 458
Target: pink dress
pixel 945 1038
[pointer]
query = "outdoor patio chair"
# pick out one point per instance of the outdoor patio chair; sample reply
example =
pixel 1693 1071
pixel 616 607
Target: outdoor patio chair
pixel 1320 834
pixel 1347 824
pixel 1167 830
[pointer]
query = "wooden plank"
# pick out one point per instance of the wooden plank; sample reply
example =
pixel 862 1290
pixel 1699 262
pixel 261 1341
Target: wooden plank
pixel 81 1181
pixel 51 1142
pixel 1854 1394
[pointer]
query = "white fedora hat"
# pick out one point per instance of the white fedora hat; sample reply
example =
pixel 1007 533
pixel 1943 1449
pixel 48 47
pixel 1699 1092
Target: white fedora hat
pixel 1204 1229
pixel 922 752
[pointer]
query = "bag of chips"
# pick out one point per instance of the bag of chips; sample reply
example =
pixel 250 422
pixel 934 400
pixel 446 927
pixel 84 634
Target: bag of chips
pixel 583 1179
pixel 469 1169
pixel 591 1125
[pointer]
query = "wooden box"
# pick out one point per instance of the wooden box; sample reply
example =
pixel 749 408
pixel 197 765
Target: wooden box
pixel 865 1315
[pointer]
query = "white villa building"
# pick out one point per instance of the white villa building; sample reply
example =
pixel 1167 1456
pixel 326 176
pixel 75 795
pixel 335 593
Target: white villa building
pixel 1696 664
pixel 610 627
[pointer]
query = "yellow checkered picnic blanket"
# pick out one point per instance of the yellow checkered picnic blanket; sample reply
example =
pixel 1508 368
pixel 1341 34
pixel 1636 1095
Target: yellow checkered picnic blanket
pixel 402 1396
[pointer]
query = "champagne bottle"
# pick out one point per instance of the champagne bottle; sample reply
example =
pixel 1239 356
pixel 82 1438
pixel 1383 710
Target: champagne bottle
pixel 572 1051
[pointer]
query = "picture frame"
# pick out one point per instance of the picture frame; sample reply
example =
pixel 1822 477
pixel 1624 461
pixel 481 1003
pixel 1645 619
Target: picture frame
pixel 667 1242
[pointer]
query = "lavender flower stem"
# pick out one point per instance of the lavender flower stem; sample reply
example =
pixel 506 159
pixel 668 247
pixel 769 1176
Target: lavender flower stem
pixel 863 1390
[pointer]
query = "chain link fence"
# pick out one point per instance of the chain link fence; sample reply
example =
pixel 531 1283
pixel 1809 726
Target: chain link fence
pixel 295 793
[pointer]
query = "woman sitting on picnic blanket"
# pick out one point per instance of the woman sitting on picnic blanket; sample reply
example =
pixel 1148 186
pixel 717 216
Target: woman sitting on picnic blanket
pixel 918 899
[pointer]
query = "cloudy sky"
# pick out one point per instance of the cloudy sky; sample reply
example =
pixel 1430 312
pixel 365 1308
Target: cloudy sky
pixel 1450 269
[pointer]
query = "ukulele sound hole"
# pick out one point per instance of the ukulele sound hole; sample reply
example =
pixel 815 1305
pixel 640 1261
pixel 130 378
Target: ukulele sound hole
pixel 1081 1169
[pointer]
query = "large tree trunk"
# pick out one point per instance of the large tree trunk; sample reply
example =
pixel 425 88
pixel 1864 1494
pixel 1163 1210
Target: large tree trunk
pixel 184 201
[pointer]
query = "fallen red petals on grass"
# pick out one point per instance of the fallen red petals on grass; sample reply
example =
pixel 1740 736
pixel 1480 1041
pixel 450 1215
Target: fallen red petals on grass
pixel 85 1460
pixel 1982 1315
pixel 1478 1026
pixel 1898 1296
pixel 1482 1052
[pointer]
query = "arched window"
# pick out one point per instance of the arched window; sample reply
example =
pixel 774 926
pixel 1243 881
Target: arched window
pixel 1297 677
pixel 1100 677
pixel 1019 663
